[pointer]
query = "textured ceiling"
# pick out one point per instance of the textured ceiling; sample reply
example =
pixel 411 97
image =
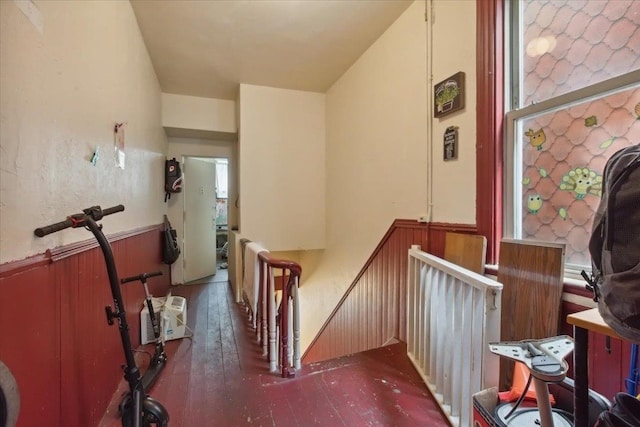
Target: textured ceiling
pixel 206 48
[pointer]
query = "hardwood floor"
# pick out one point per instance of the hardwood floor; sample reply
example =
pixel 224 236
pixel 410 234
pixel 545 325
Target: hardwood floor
pixel 219 378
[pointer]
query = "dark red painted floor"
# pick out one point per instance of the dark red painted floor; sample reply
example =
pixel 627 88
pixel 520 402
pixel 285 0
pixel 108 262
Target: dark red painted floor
pixel 219 378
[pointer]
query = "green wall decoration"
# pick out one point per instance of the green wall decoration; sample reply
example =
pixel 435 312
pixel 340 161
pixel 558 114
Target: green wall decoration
pixel 449 95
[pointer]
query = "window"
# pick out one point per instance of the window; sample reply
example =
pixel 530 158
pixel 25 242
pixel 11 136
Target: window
pixel 222 168
pixel 572 99
pixel 222 198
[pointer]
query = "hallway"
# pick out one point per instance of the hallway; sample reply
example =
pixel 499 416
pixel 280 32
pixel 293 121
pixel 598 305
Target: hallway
pixel 219 377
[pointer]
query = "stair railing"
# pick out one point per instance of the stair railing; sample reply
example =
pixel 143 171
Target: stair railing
pixel 282 319
pixel 452 316
pixel 275 323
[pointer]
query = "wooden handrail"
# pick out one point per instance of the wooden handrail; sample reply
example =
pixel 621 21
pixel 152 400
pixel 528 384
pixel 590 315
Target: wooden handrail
pixel 283 264
pixel 268 318
pixel 291 272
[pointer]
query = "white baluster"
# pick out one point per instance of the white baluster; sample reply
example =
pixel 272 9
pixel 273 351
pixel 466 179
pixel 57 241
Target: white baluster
pixel 296 327
pixel 272 308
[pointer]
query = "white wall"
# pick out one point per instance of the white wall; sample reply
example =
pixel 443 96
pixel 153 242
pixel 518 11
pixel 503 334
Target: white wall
pixel 65 82
pixel 191 112
pixel 377 152
pixel 454 49
pixel 179 148
pixel 379 149
pixel 282 174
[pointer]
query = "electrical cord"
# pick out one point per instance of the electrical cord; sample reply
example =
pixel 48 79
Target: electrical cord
pixel 520 399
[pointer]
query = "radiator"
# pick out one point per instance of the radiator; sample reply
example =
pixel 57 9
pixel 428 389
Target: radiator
pixel 452 315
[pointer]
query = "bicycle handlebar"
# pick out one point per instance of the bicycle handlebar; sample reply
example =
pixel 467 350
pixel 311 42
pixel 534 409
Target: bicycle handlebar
pixel 111 210
pixel 141 277
pixel 48 229
pixel 78 220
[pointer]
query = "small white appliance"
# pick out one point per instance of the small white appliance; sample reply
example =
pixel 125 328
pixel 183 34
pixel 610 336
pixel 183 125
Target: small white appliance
pixel 174 318
pixel 172 314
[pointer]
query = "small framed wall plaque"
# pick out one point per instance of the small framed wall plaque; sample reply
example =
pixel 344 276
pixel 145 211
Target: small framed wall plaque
pixel 449 95
pixel 451 143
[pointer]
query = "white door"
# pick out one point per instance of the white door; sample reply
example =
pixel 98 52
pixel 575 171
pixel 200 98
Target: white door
pixel 199 218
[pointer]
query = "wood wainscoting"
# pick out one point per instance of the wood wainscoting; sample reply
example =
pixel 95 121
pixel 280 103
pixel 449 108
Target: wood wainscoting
pixel 372 311
pixel 54 335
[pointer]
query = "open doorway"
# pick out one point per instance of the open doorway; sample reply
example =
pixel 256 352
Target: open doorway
pixel 205 216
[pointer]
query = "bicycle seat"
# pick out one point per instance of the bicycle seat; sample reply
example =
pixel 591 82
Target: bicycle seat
pixel 544 357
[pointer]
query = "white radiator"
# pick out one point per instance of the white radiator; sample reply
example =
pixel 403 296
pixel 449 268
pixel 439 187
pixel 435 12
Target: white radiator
pixel 452 315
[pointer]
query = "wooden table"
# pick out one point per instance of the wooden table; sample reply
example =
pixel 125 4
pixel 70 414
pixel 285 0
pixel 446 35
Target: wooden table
pixel 583 322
